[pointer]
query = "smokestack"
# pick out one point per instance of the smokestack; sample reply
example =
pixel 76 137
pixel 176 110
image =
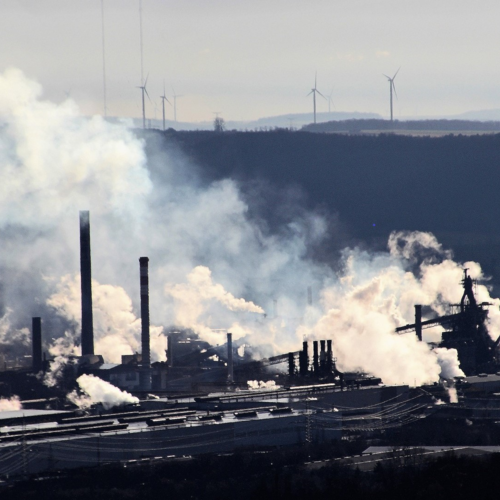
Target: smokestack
pixel 291 365
pixel 329 356
pixel 418 322
pixel 37 344
pixel 303 360
pixel 315 357
pixel 170 351
pixel 145 374
pixel 86 284
pixel 322 355
pixel 230 358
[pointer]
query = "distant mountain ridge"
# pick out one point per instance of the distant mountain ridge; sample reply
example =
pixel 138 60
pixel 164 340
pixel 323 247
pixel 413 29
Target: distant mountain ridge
pixel 299 120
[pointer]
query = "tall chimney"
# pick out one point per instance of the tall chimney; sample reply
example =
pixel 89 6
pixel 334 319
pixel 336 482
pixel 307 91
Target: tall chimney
pixel 170 351
pixel 145 374
pixel 303 360
pixel 322 356
pixel 291 365
pixel 418 322
pixel 86 284
pixel 37 344
pixel 230 373
pixel 315 357
pixel 329 356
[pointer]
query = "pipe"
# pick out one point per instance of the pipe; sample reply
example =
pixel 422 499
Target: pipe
pixel 86 284
pixel 37 344
pixel 145 375
pixel 230 374
pixel 418 321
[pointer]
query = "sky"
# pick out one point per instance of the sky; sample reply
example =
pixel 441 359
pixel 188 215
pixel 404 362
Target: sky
pixel 257 58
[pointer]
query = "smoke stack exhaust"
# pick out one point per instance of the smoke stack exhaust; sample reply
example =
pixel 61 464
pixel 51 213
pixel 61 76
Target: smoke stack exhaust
pixel 37 344
pixel 86 284
pixel 145 374
pixel 230 373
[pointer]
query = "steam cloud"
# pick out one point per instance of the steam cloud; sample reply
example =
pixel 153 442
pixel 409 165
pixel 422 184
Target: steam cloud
pixel 260 384
pixel 212 266
pixel 96 390
pixel 12 404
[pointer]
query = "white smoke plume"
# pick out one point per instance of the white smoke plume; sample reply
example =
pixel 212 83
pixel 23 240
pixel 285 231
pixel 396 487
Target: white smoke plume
pixel 11 404
pixel 117 331
pixel 96 390
pixel 260 384
pixel 54 163
pixel 195 300
pixel 9 334
pixel 452 394
pixel 377 293
pixel 448 361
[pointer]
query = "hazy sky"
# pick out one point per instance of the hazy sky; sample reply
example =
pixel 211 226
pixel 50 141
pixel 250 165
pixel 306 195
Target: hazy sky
pixel 254 58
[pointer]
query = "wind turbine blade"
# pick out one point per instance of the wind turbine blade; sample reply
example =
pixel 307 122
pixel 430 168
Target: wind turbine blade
pixel 396 73
pixel 145 90
pixel 388 77
pixel 146 81
pixel 394 88
pixel 310 92
pixel 315 78
pixel 321 95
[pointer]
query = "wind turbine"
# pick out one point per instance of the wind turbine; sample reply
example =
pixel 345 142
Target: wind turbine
pixel 315 91
pixel 330 101
pixel 392 87
pixel 144 91
pixel 175 104
pixel 163 99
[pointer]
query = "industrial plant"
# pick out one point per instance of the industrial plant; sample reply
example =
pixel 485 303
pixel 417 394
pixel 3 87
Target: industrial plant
pixel 216 398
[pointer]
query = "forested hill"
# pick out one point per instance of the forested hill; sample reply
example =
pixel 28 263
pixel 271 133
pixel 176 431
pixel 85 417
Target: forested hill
pixel 449 185
pixel 354 125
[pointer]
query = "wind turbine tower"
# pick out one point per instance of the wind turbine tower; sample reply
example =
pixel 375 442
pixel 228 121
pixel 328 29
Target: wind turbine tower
pixel 144 91
pixel 392 88
pixel 315 91
pixel 330 102
pixel 175 104
pixel 163 99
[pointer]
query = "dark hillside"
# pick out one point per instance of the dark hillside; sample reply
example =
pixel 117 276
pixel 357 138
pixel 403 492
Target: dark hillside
pixel 447 185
